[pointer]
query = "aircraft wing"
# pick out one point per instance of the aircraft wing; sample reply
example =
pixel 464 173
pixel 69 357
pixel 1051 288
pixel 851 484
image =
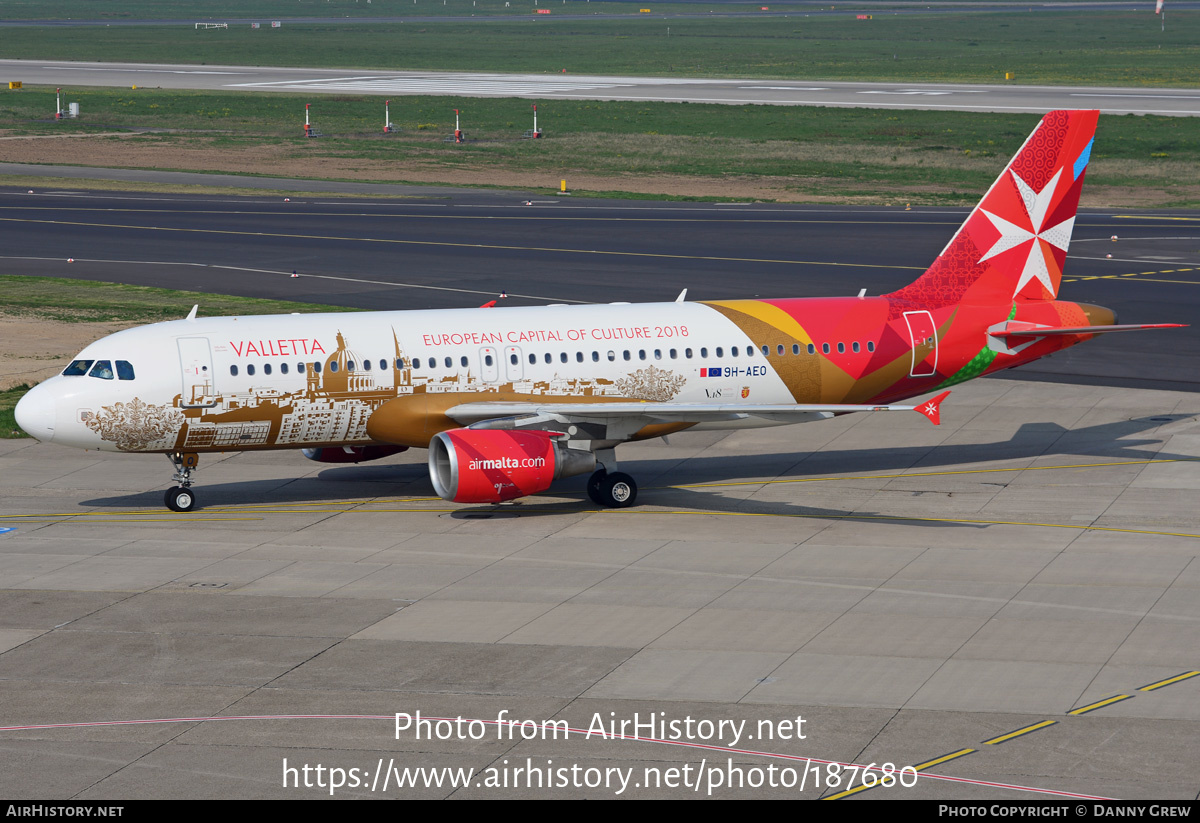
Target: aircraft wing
pixel 479 414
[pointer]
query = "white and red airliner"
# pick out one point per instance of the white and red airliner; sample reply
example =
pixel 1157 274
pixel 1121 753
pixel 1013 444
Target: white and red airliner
pixel 509 400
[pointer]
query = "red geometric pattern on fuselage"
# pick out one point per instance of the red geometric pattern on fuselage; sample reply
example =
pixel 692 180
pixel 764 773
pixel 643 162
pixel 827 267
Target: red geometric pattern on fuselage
pixel 945 283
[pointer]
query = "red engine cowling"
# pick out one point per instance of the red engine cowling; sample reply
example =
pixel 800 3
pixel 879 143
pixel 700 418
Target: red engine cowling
pixel 493 465
pixel 351 454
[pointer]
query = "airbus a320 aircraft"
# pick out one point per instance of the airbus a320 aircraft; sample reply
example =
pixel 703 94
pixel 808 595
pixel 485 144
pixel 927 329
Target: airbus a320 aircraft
pixel 509 400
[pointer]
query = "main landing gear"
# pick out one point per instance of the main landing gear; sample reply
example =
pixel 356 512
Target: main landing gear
pixel 614 491
pixel 182 498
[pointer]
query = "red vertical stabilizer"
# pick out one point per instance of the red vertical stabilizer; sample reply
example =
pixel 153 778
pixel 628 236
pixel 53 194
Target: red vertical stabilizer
pixel 1013 245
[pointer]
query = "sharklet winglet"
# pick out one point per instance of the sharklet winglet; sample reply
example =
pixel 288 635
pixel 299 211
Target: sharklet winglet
pixel 932 409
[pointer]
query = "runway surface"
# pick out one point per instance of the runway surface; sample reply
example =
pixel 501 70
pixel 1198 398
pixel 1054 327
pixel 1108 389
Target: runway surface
pixel 447 249
pixel 1005 603
pixel 940 96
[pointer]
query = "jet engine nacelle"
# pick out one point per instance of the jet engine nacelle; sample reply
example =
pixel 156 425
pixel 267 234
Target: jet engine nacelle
pixel 351 454
pixel 493 465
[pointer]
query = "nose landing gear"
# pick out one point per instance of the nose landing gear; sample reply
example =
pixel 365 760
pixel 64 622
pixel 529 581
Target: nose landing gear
pixel 182 498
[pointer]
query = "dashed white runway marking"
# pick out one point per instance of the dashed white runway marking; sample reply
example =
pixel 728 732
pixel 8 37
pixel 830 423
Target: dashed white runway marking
pixel 473 86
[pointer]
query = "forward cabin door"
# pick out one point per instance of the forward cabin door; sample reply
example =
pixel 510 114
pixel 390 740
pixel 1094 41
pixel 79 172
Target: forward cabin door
pixel 199 378
pixel 923 335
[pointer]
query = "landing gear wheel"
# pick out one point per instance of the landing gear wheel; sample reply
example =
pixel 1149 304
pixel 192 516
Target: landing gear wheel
pixel 594 484
pixel 180 499
pixel 618 491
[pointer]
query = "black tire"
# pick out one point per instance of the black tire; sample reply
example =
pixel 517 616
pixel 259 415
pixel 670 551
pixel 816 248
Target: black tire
pixel 618 490
pixel 180 499
pixel 594 485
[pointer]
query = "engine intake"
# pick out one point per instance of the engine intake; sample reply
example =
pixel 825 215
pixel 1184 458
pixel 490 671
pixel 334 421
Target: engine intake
pixel 491 465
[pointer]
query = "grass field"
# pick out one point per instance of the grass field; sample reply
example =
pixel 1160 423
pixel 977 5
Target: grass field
pixel 197 10
pixel 1085 47
pixel 191 11
pixel 859 155
pixel 8 402
pixel 90 301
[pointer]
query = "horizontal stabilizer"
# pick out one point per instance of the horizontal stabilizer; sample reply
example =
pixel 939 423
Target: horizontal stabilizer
pixel 1032 330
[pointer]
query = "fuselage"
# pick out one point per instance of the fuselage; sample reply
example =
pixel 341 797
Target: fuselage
pixel 302 381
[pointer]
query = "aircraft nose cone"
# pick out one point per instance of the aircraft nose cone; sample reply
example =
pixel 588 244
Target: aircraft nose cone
pixel 35 413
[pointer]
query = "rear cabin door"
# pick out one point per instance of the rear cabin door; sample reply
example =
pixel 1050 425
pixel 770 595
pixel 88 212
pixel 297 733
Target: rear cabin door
pixel 923 335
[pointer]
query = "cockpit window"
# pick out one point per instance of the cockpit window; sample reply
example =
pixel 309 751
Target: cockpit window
pixel 124 370
pixel 78 368
pixel 102 369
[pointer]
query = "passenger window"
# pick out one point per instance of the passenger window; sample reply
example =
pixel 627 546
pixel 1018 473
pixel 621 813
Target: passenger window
pixel 125 370
pixel 78 368
pixel 612 355
pixel 812 349
pixel 283 368
pixel 532 359
pixel 449 363
pixel 512 358
pixel 487 360
pixel 548 358
pixel 687 353
pixel 750 351
pixel 266 368
pixel 841 348
pixel 463 360
pixel 855 347
pixel 795 348
pixel 704 351
pixel 825 348
pixel 766 350
pixel 720 352
pixel 658 354
pixel 674 355
pixel 595 357
pixel 627 355
pixel 102 369
pixel 399 362
pixel 578 357
pixel 233 371
pixel 641 354
pixel 333 366
pixel 778 350
pixel 733 351
pixel 416 362
pixel 382 364
pixel 349 365
pixel 562 357
pixel 250 369
pixel 367 365
pixel 870 345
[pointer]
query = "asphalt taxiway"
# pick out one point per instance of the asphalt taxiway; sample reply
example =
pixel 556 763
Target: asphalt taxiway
pixel 441 248
pixel 1005 603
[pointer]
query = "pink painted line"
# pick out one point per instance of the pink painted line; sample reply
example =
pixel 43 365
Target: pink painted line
pixel 605 736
